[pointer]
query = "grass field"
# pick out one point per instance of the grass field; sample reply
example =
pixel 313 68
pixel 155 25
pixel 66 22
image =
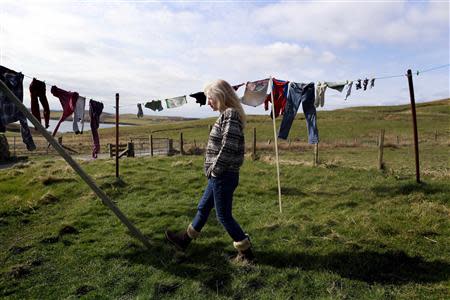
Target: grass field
pixel 347 231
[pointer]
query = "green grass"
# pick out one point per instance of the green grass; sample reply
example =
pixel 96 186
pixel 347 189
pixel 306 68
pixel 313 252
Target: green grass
pixel 344 233
pixel 347 231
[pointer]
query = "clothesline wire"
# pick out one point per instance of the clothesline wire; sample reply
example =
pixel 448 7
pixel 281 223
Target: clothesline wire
pixel 373 78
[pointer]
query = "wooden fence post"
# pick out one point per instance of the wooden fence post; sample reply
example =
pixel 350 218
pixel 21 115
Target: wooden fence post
pixel 380 150
pixel 316 154
pixel 130 147
pixel 181 144
pixel 151 144
pixel 414 120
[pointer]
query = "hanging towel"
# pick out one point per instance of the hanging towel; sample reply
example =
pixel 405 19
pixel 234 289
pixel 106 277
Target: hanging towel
pixel 140 113
pixel 300 93
pixel 68 102
pixel 320 94
pixel 255 92
pixel 9 112
pixel 154 105
pixel 176 102
pixel 199 97
pixel 95 110
pixel 349 89
pixel 78 115
pixel 37 92
pixel 279 90
pixel 372 82
pixel 338 86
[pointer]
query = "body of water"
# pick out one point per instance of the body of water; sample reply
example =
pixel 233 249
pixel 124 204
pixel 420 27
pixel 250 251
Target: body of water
pixel 67 126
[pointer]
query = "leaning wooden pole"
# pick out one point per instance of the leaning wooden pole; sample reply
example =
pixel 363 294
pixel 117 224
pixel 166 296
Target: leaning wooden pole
pixel 414 119
pixel 276 148
pixel 117 135
pixel 90 182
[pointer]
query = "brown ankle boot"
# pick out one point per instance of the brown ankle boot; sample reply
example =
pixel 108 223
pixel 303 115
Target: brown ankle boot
pixel 245 253
pixel 182 239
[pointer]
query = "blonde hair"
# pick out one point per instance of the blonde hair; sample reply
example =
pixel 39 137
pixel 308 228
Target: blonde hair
pixel 224 93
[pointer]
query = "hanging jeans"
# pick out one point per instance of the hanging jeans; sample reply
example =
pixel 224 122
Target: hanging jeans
pixel 219 194
pixel 300 93
pixel 95 110
pixel 9 112
pixel 37 92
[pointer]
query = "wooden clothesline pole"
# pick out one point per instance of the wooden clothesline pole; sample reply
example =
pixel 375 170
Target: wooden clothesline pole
pixel 276 145
pixel 89 181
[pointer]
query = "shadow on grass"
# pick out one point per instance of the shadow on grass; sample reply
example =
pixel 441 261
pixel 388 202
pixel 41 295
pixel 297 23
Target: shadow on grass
pixel 391 267
pixel 206 264
pixel 408 188
pixel 209 265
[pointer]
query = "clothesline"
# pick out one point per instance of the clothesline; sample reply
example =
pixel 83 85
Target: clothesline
pixel 105 103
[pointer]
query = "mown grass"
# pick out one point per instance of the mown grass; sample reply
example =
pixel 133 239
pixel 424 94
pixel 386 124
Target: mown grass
pixel 345 232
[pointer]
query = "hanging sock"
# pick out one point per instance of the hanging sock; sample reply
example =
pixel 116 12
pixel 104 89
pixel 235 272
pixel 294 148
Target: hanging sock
pixel 321 87
pixel 237 86
pixel 255 92
pixel 9 112
pixel 199 97
pixel 358 85
pixel 372 82
pixel 140 113
pixel 349 89
pixel 95 110
pixel 176 102
pixel 68 102
pixel 78 115
pixel 37 94
pixel 365 83
pixel 154 105
pixel 279 91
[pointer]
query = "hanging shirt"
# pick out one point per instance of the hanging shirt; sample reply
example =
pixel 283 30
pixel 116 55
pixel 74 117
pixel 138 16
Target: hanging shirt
pixel 176 102
pixel 279 91
pixel 78 115
pixel 255 92
pixel 68 102
pixel 95 110
pixel 154 105
pixel 9 112
pixel 37 92
pixel 199 97
pixel 321 87
pixel 349 89
pixel 140 113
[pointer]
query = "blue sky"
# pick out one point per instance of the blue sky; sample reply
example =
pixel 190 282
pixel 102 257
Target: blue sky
pixel 154 50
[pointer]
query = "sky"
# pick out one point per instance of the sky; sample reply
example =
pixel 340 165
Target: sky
pixel 149 50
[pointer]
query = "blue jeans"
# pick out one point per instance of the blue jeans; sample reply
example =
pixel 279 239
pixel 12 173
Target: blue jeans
pixel 300 93
pixel 219 194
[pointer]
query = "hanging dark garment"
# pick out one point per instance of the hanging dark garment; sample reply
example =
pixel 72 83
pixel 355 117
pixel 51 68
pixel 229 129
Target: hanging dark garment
pixel 95 110
pixel 365 83
pixel 140 113
pixel 37 94
pixel 200 98
pixel 9 112
pixel 358 85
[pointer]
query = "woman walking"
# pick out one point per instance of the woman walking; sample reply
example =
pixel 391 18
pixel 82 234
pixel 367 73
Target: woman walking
pixel 224 156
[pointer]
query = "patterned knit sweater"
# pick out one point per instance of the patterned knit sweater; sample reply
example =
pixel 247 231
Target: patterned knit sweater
pixel 226 145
